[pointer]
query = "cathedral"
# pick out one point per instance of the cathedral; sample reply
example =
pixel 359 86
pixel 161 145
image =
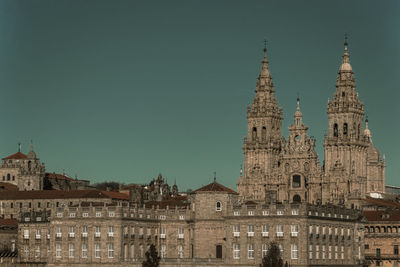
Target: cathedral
pixel 287 170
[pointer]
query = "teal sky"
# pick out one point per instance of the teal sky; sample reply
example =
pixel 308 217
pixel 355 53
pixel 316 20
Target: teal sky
pixel 123 90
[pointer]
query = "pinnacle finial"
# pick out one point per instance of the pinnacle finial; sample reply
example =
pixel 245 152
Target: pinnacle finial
pixel 265 46
pixel 345 39
pixel 19 147
pixel 215 177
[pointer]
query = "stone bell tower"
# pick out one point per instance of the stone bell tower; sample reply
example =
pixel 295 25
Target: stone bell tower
pixel 263 142
pixel 345 144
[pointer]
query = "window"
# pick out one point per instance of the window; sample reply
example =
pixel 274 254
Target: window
pixel 84 231
pixel 236 251
pixel 58 250
pixel 110 231
pixel 295 212
pixel 250 231
pixel 236 230
pixel 71 250
pixel 335 130
pixel 294 251
pixel 251 251
pixel 236 213
pixel 98 214
pixel 323 252
pixel 296 198
pixel 180 251
pixel 279 212
pixel 264 250
pixel 84 250
pixel 180 233
pixel 279 230
pixel 294 230
pixel 72 214
pixel 396 250
pixel 111 250
pixel 97 233
pixel 59 214
pixel 37 233
pixel 181 217
pixel 345 126
pixel 366 246
pixel 162 217
pixel 251 213
pixel 280 248
pixel 218 206
pixel 71 231
pixel 330 252
pixel 317 252
pixel 111 214
pixel 85 214
pixel 162 232
pixel 218 251
pixel 296 181
pixel 310 253
pixel 37 252
pixel 58 231
pixel 265 212
pixel 97 250
pixel 163 251
pixel 265 230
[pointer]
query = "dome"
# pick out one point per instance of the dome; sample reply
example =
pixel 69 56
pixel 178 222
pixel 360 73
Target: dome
pixel 345 67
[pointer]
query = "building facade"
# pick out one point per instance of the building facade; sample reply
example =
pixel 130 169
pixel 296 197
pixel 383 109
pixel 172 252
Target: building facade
pixel 288 169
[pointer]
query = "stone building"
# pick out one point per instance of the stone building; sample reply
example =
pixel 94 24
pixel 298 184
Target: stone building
pixel 288 170
pixel 24 171
pixel 210 226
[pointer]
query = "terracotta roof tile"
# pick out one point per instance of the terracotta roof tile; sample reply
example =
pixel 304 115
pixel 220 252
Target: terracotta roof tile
pixel 8 186
pixel 381 202
pixel 215 187
pixel 57 176
pixel 381 215
pixel 8 222
pixel 18 155
pixel 60 194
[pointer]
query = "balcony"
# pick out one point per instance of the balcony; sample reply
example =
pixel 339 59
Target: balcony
pixel 279 234
pixel 58 235
pixel 265 234
pixel 26 236
pixel 84 234
pixel 97 234
pixel 180 236
pixel 250 234
pixel 236 234
pixel 110 234
pixel 162 236
pixel 294 234
pixel 71 234
pixel 37 236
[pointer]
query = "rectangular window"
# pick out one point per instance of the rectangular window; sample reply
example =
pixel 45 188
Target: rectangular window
pixel 279 212
pixel 71 250
pixel 279 230
pixel 317 252
pixel 310 229
pixel 236 251
pixel 336 252
pixel 295 212
pixel 251 251
pixel 378 252
pixel 111 214
pixel 250 230
pixel 396 250
pixel 163 251
pixel 236 230
pixel 264 250
pixel 265 230
pixel 85 214
pixel 251 213
pixel 97 250
pixel 72 214
pixel 162 232
pixel 330 252
pixel 84 250
pixel 58 231
pixel 236 213
pixel 26 234
pixel 310 253
pixel 37 252
pixel 180 233
pixel 323 252
pixel 71 231
pixel 58 250
pixel 294 251
pixel 97 233
pixel 111 250
pixel 294 230
pixel 180 251
pixel 265 212
pixel 84 231
pixel 110 231
pixel 98 214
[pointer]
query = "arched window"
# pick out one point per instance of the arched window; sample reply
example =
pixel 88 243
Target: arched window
pixel 296 181
pixel 29 165
pixel 8 177
pixel 335 130
pixel 218 206
pixel 254 134
pixel 297 140
pixel 345 127
pixel 264 133
pixel 296 198
pixel 359 131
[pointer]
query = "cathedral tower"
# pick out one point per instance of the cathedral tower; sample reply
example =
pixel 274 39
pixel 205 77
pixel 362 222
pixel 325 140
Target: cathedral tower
pixel 263 142
pixel 345 144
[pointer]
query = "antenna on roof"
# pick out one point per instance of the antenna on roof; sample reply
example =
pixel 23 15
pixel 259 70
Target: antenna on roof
pixel 19 147
pixel 215 177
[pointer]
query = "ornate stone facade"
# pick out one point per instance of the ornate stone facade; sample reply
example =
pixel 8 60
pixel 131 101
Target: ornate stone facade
pixel 288 170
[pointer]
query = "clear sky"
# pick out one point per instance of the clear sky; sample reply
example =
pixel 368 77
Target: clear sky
pixel 123 90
